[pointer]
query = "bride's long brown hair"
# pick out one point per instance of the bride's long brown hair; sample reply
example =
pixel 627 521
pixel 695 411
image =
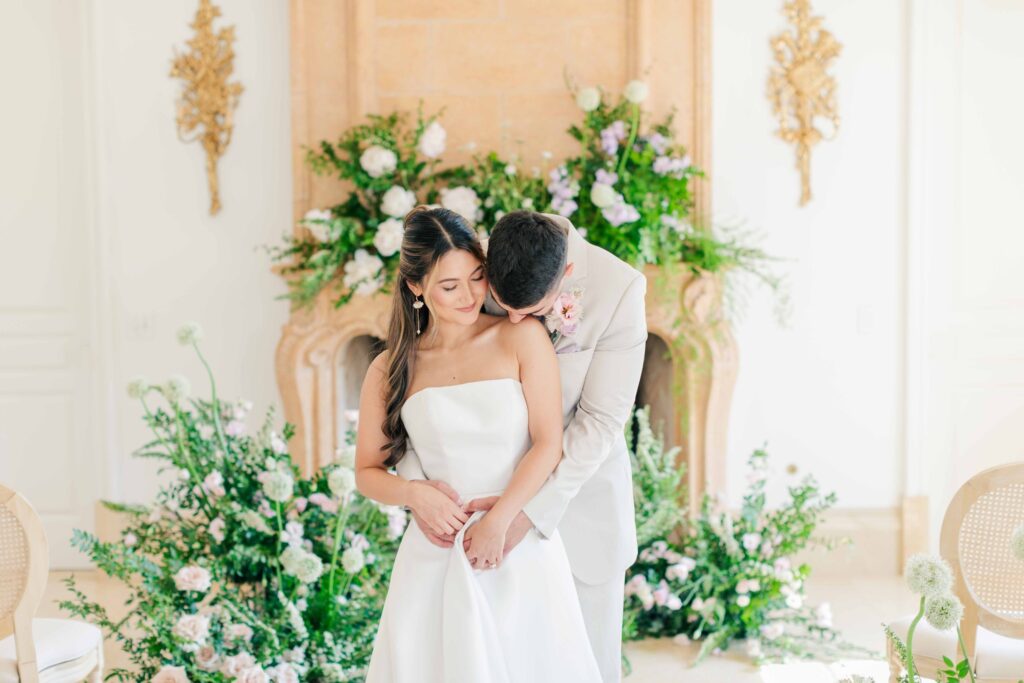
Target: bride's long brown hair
pixel 429 235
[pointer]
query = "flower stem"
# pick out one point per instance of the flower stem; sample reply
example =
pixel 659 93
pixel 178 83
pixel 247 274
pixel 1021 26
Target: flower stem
pixel 634 125
pixel 911 667
pixel 337 545
pixel 963 649
pixel 280 533
pixel 213 398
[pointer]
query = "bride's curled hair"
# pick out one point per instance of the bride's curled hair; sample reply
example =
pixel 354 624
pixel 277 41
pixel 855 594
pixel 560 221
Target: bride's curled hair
pixel 429 235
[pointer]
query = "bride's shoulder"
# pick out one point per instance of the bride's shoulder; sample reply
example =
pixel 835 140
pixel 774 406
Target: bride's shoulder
pixel 527 332
pixel 379 365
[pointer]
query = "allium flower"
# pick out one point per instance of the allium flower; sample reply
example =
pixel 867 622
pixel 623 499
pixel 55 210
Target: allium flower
pixel 345 456
pixel 342 482
pixel 662 594
pixel 192 627
pixel 352 560
pixel 138 387
pixel 171 674
pixel 290 558
pixel 929 575
pixel 510 170
pixel 397 201
pixel 943 611
pixel 378 161
pixel 192 578
pixel 189 333
pixel 216 529
pixel 602 195
pixel 277 485
pixel 636 91
pixel 432 141
pixel 588 99
pixel 213 484
pixel 308 568
pixel 388 239
pixel 1017 542
pixel 363 273
pixel 463 201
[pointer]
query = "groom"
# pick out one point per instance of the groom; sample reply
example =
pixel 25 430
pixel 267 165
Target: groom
pixel 536 263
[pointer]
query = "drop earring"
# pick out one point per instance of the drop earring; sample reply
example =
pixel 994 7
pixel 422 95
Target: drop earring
pixel 417 305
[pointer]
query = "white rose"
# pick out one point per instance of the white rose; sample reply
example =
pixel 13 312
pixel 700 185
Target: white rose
pixel 192 578
pixel 603 195
pixel 433 140
pixel 341 481
pixel 317 221
pixel 462 200
pixel 352 560
pixel 378 161
pixel 636 91
pixel 588 99
pixel 388 239
pixel 362 273
pixel 239 632
pixel 170 674
pixel 192 627
pixel 207 658
pixel 234 666
pixel 283 673
pixel 397 201
pixel 253 674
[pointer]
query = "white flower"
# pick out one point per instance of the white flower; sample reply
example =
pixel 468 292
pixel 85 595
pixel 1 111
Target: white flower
pixel 378 161
pixel 138 387
pixel 362 273
pixel 309 568
pixel 680 570
pixel 432 141
pixel 397 520
pixel 295 620
pixel 234 666
pixel 510 170
pixel 277 485
pixel 397 201
pixel 277 444
pixel 216 529
pixel 252 519
pixel 192 578
pixel 283 673
pixel 588 99
pixel 823 614
pixel 317 215
pixel 240 632
pixel 463 201
pixel 253 674
pixel 189 333
pixel 929 575
pixel 527 203
pixel 388 239
pixel 1017 542
pixel 743 600
pixel 213 484
pixel 170 674
pixel 603 195
pixel 207 658
pixel 192 627
pixel 943 611
pixel 290 558
pixel 753 648
pixel 292 534
pixel 773 630
pixel 352 560
pixel 636 91
pixel 794 600
pixel 346 456
pixel 751 541
pixel 130 540
pixel 341 481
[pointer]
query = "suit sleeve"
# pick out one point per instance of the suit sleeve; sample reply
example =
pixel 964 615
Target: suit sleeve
pixel 609 391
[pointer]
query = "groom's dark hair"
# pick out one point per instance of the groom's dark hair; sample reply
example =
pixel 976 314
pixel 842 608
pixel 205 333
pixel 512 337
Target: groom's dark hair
pixel 525 257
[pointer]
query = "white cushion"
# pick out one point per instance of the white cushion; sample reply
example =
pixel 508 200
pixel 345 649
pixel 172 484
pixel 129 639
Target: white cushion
pixel 57 641
pixel 995 656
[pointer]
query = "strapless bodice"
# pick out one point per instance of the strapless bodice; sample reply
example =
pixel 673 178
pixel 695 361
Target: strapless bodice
pixel 470 435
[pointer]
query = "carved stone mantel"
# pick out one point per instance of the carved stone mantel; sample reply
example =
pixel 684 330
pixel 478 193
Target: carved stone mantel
pixel 688 378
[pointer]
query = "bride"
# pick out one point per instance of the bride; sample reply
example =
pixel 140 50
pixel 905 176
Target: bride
pixel 479 401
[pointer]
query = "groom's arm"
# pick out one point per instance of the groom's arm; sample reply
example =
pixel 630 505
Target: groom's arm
pixel 609 392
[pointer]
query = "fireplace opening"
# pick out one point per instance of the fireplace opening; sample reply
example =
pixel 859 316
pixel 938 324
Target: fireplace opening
pixel 656 390
pixel 353 362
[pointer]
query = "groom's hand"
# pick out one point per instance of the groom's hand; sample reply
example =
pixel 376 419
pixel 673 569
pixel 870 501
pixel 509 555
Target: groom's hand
pixel 516 530
pixel 440 540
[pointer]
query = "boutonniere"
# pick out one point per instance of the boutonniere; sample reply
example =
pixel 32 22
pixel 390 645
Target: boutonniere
pixel 565 317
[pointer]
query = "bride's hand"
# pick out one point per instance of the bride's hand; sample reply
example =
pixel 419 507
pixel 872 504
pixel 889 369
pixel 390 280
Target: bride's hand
pixel 485 542
pixel 435 507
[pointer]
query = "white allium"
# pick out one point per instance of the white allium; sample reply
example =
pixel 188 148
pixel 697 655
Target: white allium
pixel 346 456
pixel 943 611
pixel 388 239
pixel 341 481
pixel 1017 542
pixel 378 161
pixel 307 568
pixel 636 91
pixel 177 388
pixel 432 142
pixel 277 486
pixel 397 201
pixel 588 99
pixel 352 560
pixel 362 273
pixel 193 628
pixel 138 387
pixel 290 558
pixel 603 195
pixel 929 575
pixel 189 333
pixel 463 201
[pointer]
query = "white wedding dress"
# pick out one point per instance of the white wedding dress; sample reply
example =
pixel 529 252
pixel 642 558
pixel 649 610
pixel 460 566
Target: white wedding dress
pixel 445 622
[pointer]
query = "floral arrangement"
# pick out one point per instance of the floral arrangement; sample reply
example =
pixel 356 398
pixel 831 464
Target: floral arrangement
pixel 627 190
pixel 722 576
pixel 241 570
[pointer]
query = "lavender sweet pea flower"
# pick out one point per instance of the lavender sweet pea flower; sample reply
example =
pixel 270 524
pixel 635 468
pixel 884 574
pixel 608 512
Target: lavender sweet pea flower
pixel 606 177
pixel 658 142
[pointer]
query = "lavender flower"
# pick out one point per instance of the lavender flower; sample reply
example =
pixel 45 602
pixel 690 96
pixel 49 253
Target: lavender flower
pixel 612 136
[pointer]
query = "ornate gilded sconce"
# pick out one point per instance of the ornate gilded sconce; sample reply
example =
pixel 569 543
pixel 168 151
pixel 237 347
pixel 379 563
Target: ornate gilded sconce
pixel 207 102
pixel 799 87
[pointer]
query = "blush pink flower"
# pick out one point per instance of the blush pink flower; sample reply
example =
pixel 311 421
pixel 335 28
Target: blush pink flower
pixel 322 501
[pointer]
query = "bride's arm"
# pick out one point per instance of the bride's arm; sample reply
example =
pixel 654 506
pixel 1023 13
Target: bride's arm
pixel 373 480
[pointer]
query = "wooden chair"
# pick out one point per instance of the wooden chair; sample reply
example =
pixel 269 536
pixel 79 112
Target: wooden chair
pixel 36 650
pixel 975 540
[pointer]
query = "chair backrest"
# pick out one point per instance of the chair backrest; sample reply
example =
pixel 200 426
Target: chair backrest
pixel 24 565
pixel 976 540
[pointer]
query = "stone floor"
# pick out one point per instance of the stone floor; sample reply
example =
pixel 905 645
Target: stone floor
pixel 858 606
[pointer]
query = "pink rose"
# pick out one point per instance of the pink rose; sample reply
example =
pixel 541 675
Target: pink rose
pixel 217 529
pixel 239 632
pixel 283 673
pixel 213 484
pixel 192 627
pixel 300 504
pixel 234 666
pixel 192 578
pixel 207 658
pixel 321 500
pixel 253 674
pixel 170 674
